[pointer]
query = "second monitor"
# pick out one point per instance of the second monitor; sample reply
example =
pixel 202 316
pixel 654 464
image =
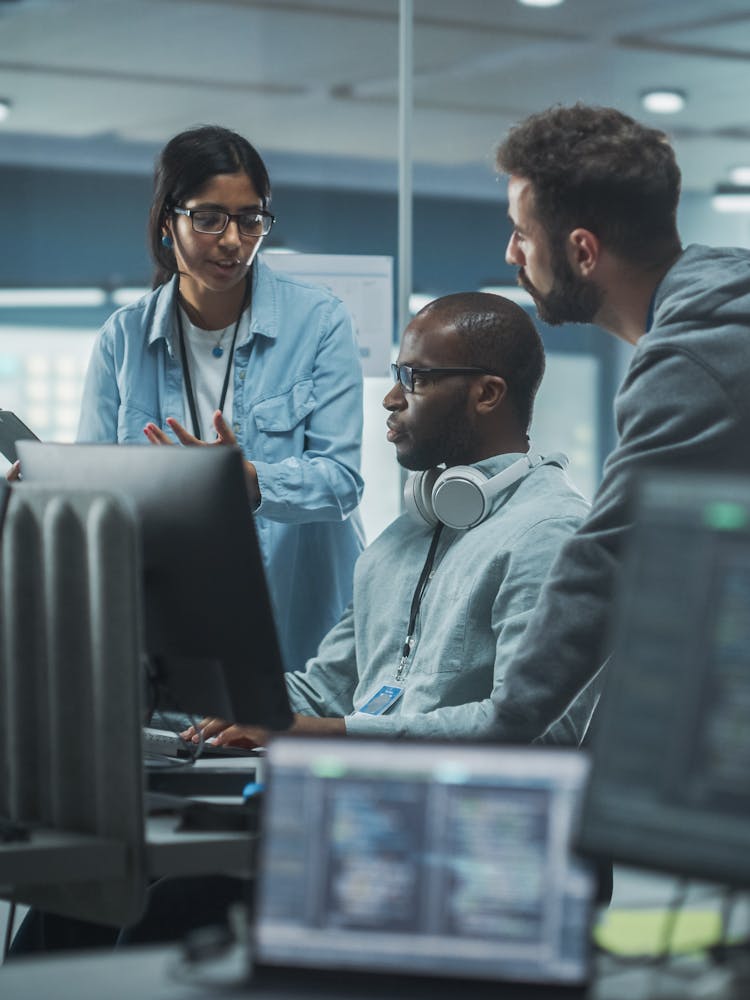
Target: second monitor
pixel 669 786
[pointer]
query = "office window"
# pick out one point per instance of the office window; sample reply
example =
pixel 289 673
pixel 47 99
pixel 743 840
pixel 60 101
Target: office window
pixel 41 377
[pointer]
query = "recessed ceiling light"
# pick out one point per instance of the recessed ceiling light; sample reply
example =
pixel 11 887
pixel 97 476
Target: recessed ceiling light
pixel 540 3
pixel 740 175
pixel 4 109
pixel 663 101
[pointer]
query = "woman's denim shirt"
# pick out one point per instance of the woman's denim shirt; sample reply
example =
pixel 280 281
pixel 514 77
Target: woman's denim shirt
pixel 297 415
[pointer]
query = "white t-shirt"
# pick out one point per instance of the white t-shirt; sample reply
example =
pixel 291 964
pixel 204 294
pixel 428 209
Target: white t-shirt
pixel 207 372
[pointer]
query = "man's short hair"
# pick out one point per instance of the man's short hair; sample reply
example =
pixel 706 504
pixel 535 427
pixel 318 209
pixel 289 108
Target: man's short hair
pixel 498 335
pixel 601 170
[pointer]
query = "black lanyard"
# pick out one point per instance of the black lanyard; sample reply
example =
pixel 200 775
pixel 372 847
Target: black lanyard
pixel 416 600
pixel 186 367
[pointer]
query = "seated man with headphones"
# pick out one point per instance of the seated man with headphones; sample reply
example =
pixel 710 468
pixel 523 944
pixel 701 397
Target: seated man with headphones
pixel 442 596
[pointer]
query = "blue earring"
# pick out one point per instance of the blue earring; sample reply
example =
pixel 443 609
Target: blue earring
pixel 166 241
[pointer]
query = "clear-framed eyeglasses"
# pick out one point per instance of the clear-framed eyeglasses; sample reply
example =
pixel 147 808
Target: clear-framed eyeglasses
pixel 405 374
pixel 212 222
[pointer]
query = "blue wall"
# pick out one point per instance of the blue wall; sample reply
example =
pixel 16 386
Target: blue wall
pixel 71 228
pixel 76 228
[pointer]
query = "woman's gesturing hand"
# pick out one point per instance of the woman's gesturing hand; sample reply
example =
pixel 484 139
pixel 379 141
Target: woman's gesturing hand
pixel 224 436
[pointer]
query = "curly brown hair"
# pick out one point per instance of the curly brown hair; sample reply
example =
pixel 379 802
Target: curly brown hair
pixel 599 169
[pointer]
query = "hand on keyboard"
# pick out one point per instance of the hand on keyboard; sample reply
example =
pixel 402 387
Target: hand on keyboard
pixel 162 741
pixel 227 735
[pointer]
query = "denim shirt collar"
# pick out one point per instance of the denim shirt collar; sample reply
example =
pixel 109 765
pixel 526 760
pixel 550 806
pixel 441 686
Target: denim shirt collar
pixel 263 316
pixel 160 325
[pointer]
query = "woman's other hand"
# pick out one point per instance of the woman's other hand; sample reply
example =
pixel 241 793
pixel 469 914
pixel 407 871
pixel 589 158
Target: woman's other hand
pixel 224 436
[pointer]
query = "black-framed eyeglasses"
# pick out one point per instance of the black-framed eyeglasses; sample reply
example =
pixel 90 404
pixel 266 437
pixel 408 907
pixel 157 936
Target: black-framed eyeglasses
pixel 405 373
pixel 212 222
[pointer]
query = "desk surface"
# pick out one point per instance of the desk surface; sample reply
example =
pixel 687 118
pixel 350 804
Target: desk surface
pixel 153 974
pixel 157 974
pixel 170 851
pixel 51 855
pixel 54 855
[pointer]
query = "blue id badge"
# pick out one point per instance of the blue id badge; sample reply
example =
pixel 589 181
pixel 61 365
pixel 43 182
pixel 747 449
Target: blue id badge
pixel 381 701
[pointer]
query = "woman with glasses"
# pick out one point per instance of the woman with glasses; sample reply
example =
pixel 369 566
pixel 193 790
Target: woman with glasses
pixel 222 352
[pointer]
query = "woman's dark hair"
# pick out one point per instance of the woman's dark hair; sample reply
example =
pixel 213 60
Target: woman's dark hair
pixel 185 165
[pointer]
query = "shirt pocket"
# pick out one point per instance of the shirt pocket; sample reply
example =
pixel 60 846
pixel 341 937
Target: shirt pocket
pixel 280 421
pixel 444 629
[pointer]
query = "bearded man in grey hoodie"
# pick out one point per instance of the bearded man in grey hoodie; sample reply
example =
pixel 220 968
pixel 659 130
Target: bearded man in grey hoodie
pixel 592 197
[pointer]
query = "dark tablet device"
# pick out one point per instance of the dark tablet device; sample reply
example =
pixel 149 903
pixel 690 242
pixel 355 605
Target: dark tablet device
pixel 11 430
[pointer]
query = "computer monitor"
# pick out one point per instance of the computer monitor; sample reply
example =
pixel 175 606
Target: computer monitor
pixel 669 783
pixel 414 858
pixel 210 638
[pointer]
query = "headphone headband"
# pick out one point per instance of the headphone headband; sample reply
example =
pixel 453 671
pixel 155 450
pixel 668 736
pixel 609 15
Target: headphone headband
pixel 461 497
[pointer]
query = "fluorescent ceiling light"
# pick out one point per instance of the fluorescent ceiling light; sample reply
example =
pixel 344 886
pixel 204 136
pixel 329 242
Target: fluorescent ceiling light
pixel 729 199
pixel 513 292
pixel 4 109
pixel 124 296
pixel 19 298
pixel 740 175
pixel 418 300
pixel 663 101
pixel 540 3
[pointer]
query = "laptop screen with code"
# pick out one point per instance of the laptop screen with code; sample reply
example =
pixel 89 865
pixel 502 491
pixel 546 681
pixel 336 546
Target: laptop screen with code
pixel 426 859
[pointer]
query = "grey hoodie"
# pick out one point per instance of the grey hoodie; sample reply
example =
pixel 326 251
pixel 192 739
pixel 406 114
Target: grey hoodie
pixel 685 403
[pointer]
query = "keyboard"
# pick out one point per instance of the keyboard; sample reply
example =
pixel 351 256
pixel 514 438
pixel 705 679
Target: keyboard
pixel 169 744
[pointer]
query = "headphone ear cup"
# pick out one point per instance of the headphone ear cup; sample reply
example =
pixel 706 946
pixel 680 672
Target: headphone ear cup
pixel 418 496
pixel 458 499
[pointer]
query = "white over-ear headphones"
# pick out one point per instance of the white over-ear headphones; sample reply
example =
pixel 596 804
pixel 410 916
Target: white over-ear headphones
pixel 461 497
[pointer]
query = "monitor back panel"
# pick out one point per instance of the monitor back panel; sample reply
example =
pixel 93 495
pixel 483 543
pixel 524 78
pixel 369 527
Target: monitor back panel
pixel 669 786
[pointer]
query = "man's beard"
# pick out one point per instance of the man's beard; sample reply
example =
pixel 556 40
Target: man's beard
pixel 570 300
pixel 451 441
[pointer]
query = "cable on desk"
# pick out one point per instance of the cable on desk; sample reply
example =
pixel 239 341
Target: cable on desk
pixel 725 949
pixel 670 920
pixel 158 691
pixel 224 947
pixel 9 929
pixel 11 830
pixel 663 953
pixel 724 969
pixel 157 761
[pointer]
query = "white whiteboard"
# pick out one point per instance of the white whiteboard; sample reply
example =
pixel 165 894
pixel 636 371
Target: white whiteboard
pixel 364 284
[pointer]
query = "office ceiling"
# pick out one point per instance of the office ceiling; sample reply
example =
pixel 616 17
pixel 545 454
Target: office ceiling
pixel 91 79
